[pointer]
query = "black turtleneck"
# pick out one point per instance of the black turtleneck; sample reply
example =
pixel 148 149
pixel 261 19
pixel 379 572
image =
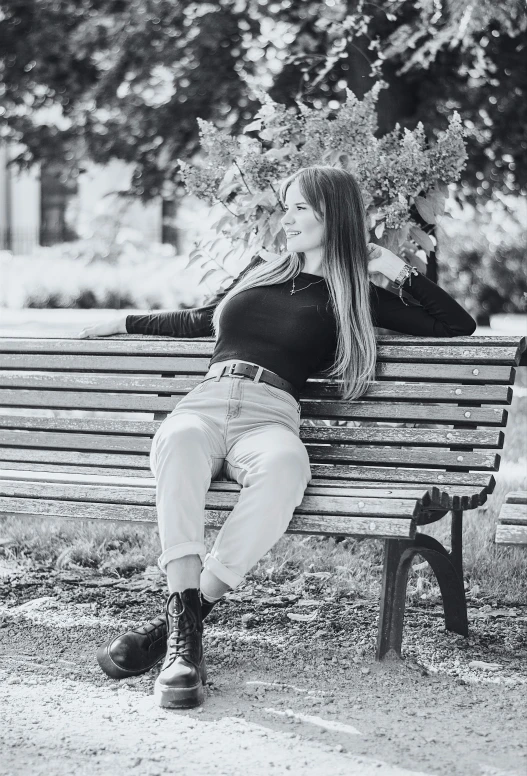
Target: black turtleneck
pixel 293 335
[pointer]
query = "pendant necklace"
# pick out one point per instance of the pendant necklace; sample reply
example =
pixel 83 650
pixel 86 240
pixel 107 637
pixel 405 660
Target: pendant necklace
pixel 296 290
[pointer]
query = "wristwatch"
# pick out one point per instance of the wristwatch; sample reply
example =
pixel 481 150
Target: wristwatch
pixel 404 275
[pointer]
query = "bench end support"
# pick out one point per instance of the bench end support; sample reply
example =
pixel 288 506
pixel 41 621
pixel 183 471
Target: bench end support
pixel 447 567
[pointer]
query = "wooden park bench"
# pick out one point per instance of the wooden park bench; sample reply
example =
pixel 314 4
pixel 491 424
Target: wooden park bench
pixel 512 520
pixel 424 443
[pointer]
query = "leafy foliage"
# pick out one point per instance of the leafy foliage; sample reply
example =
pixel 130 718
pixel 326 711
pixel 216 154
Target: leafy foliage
pixel 436 25
pixel 401 175
pixel 127 80
pixel 482 257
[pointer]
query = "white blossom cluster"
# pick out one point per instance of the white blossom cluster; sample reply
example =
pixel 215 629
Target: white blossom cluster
pixel 400 174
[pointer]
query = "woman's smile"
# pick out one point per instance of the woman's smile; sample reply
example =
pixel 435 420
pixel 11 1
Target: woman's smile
pixel 309 239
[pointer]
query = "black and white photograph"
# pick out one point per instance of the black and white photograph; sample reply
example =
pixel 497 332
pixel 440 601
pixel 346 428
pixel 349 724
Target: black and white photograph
pixel 263 387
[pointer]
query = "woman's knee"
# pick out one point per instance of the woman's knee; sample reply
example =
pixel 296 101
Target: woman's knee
pixel 181 435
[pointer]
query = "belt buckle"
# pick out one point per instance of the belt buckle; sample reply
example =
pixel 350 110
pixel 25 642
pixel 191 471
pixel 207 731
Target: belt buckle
pixel 232 368
pixel 223 371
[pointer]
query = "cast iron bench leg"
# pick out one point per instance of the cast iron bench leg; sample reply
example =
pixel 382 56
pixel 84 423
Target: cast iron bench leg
pixel 398 554
pixel 448 568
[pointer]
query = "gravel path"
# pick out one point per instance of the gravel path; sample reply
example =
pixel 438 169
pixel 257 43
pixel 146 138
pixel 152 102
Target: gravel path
pixel 288 696
pixel 77 728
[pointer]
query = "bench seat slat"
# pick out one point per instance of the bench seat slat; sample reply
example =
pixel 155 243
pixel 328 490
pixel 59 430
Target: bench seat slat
pixel 358 454
pixel 444 496
pixel 376 527
pixel 315 488
pixel 399 474
pixel 100 431
pixel 215 499
pixel 361 410
pixel 454 497
pixel 513 513
pixel 512 520
pixel 320 483
pixel 516 497
pixel 445 392
pixel 512 534
pixel 333 471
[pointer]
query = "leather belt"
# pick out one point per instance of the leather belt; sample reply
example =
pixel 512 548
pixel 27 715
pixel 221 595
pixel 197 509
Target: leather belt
pixel 254 373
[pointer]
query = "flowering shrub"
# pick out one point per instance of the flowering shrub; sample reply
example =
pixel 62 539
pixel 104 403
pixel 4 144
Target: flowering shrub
pixel 400 174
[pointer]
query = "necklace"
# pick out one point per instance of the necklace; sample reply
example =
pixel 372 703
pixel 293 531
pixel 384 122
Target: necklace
pixel 296 290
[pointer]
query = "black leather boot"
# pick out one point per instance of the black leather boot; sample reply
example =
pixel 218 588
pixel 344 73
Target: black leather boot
pixel 137 651
pixel 183 674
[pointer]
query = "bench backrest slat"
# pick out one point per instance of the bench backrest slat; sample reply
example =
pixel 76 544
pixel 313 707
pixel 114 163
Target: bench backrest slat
pixel 205 345
pixel 194 365
pixel 361 410
pixel 438 392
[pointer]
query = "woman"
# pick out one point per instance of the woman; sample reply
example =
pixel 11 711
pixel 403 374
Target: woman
pixel 275 325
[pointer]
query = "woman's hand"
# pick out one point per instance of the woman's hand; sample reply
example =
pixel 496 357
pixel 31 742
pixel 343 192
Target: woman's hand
pixel 114 326
pixel 384 261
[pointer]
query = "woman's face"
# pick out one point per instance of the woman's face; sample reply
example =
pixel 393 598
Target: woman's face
pixel 304 231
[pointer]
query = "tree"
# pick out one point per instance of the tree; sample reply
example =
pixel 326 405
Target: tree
pixel 106 79
pixel 113 79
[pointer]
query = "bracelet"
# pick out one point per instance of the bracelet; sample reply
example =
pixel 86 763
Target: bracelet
pixel 404 275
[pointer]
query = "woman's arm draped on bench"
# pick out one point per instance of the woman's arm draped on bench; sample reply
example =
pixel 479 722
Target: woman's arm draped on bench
pixel 193 322
pixel 436 313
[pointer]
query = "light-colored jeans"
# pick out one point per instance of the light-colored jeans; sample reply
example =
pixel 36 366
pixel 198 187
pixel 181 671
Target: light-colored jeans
pixel 250 433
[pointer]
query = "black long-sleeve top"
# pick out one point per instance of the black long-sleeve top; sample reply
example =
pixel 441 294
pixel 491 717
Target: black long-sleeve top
pixel 296 335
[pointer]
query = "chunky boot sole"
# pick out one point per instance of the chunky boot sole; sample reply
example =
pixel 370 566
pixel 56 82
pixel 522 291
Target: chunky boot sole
pixel 115 671
pixel 179 697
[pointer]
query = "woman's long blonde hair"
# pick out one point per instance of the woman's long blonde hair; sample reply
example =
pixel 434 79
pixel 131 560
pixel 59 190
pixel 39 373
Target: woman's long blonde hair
pixel 336 199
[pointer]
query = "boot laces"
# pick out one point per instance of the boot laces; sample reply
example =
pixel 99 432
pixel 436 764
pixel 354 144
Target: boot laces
pixel 180 641
pixel 154 629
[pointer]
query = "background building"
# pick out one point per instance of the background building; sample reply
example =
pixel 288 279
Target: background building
pixel 42 207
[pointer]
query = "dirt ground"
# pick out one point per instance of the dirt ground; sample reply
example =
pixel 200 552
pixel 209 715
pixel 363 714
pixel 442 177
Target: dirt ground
pixel 294 686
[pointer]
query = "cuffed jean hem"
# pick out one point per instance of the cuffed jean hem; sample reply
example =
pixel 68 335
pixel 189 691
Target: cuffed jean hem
pixel 226 575
pixel 180 551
